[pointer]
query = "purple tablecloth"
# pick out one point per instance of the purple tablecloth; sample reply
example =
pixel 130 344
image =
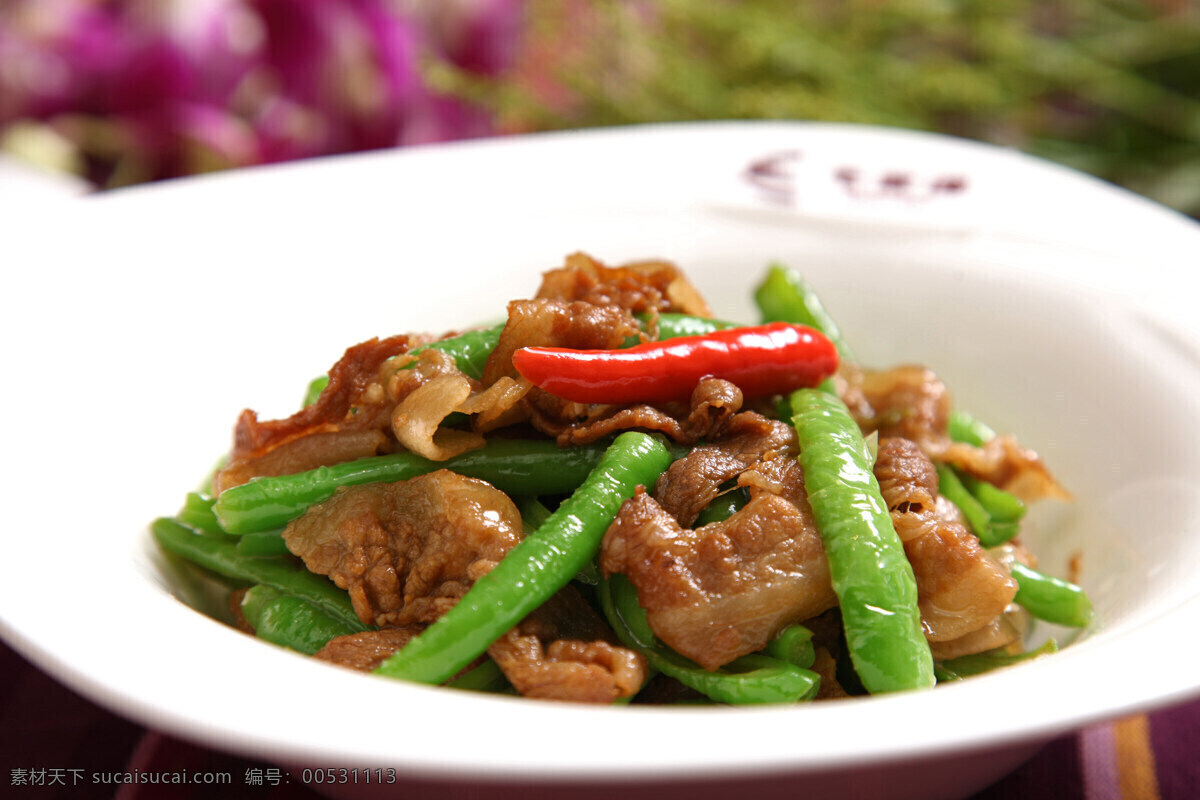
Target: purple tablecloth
pixel 56 744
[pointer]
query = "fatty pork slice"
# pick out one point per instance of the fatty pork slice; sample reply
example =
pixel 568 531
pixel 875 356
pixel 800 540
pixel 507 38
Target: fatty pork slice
pixel 713 404
pixel 564 651
pixel 694 481
pixel 724 589
pixel 961 589
pixel 556 323
pixel 407 551
pixel 644 286
pixel 911 402
pixel 907 401
pixel 346 422
pixel 561 651
pixel 366 650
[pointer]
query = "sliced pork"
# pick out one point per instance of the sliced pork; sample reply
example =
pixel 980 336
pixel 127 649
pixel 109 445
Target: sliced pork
pixel 407 551
pixel 722 590
pixel 960 587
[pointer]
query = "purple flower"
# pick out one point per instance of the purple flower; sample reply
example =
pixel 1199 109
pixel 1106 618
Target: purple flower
pixel 152 90
pixel 481 36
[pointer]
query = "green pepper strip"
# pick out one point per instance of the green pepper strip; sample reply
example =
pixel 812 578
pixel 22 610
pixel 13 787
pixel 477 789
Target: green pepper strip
pixel 1000 505
pixel 290 621
pixel 784 296
pixel 315 387
pixel 871 575
pixel 222 557
pixel 533 515
pixel 197 512
pixel 992 532
pixel 1051 599
pixel 673 326
pixel 536 568
pixel 793 644
pixel 262 543
pixel 963 427
pixel 750 679
pixel 979 663
pixel 723 506
pixel 515 466
pixel 470 351
pixel 487 677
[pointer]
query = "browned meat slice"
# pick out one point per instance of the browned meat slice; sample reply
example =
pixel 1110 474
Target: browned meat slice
pixel 1003 462
pixel 343 406
pixel 911 402
pixel 907 401
pixel 367 650
pixel 960 587
pixel 556 323
pixel 908 482
pixel 713 404
pixel 407 551
pixel 723 590
pixel 432 388
pixel 646 286
pixel 564 651
pixel 305 453
pixel 692 482
pixel 1000 632
pixel 605 420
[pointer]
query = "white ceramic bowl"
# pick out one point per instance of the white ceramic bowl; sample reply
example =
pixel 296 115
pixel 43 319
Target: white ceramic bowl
pixel 138 324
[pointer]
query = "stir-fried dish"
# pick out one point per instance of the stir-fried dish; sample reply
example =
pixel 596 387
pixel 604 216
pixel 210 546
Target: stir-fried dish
pixel 614 497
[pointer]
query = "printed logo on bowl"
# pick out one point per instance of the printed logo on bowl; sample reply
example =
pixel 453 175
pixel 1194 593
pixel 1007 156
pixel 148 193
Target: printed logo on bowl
pixel 867 188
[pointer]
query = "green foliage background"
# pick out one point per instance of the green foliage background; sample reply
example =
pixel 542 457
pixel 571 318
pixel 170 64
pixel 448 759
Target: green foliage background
pixel 1111 87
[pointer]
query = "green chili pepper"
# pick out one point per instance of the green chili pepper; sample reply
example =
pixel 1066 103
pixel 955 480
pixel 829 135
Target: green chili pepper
pixel 962 427
pixel 950 487
pixel 263 543
pixel 516 466
pixel 197 512
pixel 751 679
pixel 470 350
pixel 674 326
pixel 793 644
pixel 1051 599
pixel 1000 505
pixel 290 621
pixel 723 506
pixel 872 578
pixel 533 512
pixel 535 569
pixel 978 663
pixel 220 555
pixel 487 677
pixel 784 296
pixel 533 515
pixel 315 387
pixel 992 532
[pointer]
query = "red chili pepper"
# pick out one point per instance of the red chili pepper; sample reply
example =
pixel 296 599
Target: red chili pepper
pixel 761 360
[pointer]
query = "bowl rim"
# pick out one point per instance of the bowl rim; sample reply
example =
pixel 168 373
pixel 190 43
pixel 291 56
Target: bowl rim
pixel 205 717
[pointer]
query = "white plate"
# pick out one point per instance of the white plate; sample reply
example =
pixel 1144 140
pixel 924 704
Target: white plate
pixel 138 324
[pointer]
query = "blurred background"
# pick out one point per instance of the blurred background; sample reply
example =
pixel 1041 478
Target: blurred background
pixel 121 92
